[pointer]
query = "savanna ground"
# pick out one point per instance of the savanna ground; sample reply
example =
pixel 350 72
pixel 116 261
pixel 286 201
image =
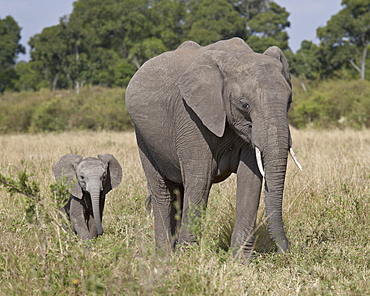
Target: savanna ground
pixel 326 213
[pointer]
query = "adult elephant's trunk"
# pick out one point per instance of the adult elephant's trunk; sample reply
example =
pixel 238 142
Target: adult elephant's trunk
pixel 275 168
pixel 275 154
pixel 95 202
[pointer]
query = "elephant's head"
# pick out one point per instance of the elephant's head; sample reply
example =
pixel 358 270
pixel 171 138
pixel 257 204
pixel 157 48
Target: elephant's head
pixel 251 93
pixel 90 175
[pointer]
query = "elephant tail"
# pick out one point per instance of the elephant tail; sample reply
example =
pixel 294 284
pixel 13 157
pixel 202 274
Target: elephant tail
pixel 148 204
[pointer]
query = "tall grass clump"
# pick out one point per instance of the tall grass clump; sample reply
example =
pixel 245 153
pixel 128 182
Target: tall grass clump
pixel 326 215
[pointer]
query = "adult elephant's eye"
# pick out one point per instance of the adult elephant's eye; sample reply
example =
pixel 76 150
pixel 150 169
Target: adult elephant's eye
pixel 244 104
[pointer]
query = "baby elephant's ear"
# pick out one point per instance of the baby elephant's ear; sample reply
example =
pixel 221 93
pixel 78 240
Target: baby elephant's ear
pixel 66 168
pixel 114 173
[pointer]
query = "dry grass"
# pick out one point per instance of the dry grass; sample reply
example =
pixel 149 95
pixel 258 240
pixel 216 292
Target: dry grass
pixel 326 211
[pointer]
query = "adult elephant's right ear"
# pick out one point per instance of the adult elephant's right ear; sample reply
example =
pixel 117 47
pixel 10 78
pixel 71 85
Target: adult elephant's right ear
pixel 201 88
pixel 66 168
pixel 276 53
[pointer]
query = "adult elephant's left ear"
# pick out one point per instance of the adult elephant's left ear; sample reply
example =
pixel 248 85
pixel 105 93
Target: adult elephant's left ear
pixel 276 52
pixel 201 88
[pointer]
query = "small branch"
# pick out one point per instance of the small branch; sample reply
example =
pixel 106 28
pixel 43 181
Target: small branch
pixel 301 80
pixel 136 62
pixel 363 62
pixel 354 65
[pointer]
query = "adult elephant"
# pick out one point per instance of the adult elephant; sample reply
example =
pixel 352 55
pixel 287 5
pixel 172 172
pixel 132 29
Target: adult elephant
pixel 202 113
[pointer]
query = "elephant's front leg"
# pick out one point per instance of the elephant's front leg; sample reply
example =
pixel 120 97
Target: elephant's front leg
pixel 198 181
pixel 78 220
pixel 91 225
pixel 249 184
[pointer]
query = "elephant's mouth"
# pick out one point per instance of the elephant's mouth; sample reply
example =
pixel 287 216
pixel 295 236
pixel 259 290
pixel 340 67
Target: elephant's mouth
pixel 260 163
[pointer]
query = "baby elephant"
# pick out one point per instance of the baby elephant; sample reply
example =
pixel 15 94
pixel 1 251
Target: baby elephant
pixel 92 179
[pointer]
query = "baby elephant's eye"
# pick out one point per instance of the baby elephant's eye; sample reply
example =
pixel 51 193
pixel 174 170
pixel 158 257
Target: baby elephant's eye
pixel 104 176
pixel 82 177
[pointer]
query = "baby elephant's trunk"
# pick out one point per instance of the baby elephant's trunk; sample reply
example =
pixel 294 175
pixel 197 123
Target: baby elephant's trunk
pixel 95 201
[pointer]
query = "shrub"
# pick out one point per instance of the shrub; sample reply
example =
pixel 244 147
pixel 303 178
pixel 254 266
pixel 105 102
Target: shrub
pixel 44 111
pixel 335 103
pixel 32 200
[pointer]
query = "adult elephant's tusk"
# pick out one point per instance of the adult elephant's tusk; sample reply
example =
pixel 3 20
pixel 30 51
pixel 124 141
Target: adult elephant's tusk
pixel 295 158
pixel 259 161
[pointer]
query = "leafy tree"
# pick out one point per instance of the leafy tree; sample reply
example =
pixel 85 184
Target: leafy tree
pixel 63 54
pixel 267 28
pixel 9 49
pixel 163 30
pixel 345 39
pixel 305 64
pixel 101 42
pixel 29 76
pixel 120 26
pixel 167 21
pixel 208 21
pixel 76 64
pixel 248 9
pixel 49 49
pixel 104 42
pixel 261 23
pixel 265 23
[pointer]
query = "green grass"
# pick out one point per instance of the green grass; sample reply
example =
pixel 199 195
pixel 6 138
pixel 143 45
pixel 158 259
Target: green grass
pixel 326 214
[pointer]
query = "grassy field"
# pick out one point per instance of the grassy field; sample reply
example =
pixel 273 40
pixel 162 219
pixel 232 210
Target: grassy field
pixel 326 213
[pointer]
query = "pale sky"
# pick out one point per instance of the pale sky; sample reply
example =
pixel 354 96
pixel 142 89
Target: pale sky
pixel 34 15
pixel 305 17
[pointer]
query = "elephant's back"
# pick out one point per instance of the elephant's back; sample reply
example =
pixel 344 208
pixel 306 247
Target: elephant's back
pixel 157 78
pixel 155 83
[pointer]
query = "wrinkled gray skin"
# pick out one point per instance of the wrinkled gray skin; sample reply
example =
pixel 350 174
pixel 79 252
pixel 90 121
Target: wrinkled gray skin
pixel 199 112
pixel 92 179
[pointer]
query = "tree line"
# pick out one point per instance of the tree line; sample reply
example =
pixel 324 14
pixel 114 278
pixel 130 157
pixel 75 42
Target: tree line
pixel 103 43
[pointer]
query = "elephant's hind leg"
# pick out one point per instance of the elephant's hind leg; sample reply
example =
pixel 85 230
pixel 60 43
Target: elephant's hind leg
pixel 162 197
pixel 197 184
pixel 166 204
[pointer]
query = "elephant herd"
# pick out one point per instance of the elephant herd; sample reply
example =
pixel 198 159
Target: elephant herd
pixel 200 114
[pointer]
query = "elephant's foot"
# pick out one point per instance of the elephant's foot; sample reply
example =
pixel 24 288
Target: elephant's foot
pixel 183 247
pixel 184 242
pixel 243 256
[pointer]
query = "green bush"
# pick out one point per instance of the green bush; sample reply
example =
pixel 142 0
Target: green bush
pixel 49 116
pixel 44 111
pixel 334 103
pixel 32 201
